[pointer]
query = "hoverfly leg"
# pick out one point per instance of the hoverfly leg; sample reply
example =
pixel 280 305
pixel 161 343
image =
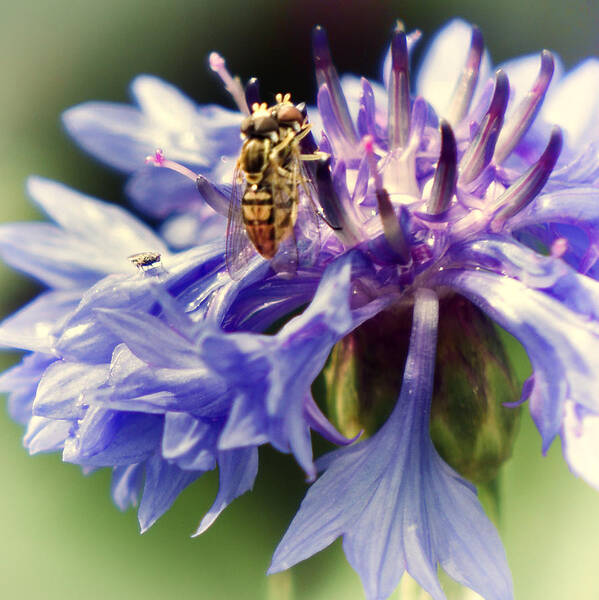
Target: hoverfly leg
pixel 315 156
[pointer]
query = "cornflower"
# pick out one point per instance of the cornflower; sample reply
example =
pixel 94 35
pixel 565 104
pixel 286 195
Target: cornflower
pixel 473 200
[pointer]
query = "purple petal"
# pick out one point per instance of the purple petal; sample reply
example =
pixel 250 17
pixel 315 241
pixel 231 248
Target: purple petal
pixel 397 504
pixel 126 485
pixel 119 135
pixel 21 382
pixel 161 192
pixel 112 438
pixel 34 325
pixel 189 442
pixel 59 393
pixel 561 344
pixel 237 473
pixel 574 105
pixel 149 338
pixel 580 443
pixel 164 482
pixel 108 226
pixel 46 435
pixel 122 136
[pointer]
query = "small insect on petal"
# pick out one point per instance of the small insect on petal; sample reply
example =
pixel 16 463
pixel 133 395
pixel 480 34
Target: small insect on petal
pixel 144 260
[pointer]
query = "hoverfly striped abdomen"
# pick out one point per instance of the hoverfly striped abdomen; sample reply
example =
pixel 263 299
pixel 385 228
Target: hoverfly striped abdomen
pixel 270 166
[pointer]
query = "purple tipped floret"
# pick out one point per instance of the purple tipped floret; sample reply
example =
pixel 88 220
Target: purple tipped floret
pixel 480 152
pixel 524 115
pixel 446 172
pixel 527 187
pixel 398 106
pixel 466 84
pixel 327 74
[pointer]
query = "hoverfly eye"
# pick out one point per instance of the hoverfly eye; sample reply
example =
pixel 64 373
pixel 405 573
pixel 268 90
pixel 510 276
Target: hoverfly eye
pixel 289 113
pixel 247 125
pixel 265 124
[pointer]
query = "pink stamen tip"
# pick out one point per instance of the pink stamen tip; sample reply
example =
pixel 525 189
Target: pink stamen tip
pixel 156 159
pixel 216 61
pixel 559 247
pixel 368 142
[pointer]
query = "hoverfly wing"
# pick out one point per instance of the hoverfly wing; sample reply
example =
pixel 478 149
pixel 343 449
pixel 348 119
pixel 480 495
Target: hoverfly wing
pixel 285 261
pixel 238 247
pixel 308 224
pixel 285 197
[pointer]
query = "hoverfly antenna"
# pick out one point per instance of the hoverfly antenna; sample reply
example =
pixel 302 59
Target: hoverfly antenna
pixel 259 108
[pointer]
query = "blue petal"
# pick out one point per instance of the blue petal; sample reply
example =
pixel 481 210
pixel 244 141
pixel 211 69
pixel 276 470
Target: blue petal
pixel 160 192
pixel 122 136
pixel 21 382
pixel 164 482
pixel 126 485
pixel 110 438
pixel 163 102
pixel 106 225
pixel 237 473
pixel 272 375
pixel 119 135
pixel 60 391
pixel 34 325
pixel 561 343
pixel 200 227
pixel 552 275
pixel 85 338
pixel 134 385
pixel 150 339
pixel 575 103
pixel 46 435
pixel 189 442
pixel 580 443
pixel 397 504
pixel 92 238
pixel 246 425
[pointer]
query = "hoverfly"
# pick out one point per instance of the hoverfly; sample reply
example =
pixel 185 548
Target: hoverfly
pixel 266 192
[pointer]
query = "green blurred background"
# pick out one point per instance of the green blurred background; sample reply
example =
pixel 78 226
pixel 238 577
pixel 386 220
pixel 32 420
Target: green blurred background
pixel 60 535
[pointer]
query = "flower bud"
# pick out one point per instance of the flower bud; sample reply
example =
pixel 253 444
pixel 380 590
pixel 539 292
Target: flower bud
pixel 470 426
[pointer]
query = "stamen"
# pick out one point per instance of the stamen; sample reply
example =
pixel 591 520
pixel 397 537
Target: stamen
pixel 252 92
pixel 523 116
pixel 526 188
pixel 326 74
pixel 464 91
pixel 446 172
pixel 480 152
pixel 392 228
pixel 158 160
pixel 232 85
pixel 398 104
